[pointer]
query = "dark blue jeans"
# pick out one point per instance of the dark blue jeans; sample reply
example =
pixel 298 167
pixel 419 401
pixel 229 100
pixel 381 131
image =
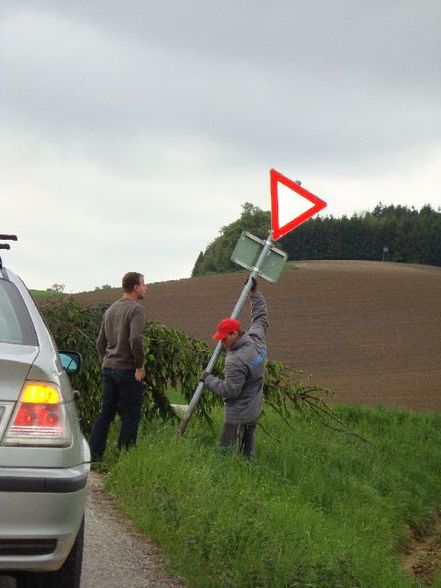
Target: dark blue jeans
pixel 239 437
pixel 121 392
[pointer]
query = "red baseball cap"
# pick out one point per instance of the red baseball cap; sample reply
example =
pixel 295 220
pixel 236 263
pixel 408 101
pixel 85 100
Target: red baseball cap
pixel 225 327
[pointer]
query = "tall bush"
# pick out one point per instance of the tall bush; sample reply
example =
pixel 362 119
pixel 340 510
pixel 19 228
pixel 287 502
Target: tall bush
pixel 172 360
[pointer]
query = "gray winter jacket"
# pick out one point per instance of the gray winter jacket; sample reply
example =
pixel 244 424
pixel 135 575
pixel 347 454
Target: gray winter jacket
pixel 242 386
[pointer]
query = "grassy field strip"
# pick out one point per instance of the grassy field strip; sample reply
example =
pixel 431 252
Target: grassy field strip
pixel 317 508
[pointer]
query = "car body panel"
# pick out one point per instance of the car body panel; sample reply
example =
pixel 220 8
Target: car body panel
pixel 42 489
pixel 42 515
pixel 15 362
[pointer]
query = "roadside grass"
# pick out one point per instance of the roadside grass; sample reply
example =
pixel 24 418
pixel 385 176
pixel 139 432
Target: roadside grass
pixel 44 293
pixel 315 509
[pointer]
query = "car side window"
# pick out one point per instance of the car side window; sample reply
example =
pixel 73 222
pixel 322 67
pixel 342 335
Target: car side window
pixel 15 323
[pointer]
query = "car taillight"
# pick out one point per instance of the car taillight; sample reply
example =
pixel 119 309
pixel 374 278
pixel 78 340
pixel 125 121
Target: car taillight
pixel 40 417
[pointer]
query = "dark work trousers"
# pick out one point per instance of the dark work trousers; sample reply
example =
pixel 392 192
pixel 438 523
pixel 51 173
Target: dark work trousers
pixel 120 392
pixel 240 437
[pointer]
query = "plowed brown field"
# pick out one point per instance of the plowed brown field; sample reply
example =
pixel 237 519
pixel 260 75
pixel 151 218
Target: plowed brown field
pixel 371 331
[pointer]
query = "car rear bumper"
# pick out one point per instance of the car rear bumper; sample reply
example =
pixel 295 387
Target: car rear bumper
pixel 41 481
pixel 41 513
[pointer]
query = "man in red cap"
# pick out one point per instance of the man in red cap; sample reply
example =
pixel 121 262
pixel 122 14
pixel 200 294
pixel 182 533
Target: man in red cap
pixel 242 386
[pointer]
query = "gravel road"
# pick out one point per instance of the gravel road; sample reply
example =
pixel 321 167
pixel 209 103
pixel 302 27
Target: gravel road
pixel 115 554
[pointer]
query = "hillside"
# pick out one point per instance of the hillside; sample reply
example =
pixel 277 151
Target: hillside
pixel 369 330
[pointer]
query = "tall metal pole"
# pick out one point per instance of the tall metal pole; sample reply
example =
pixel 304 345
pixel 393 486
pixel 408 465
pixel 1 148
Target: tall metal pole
pixel 236 312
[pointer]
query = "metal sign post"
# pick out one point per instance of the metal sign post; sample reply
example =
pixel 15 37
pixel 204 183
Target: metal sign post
pixel 236 312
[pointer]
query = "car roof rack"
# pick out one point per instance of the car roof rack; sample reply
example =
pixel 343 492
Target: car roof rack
pixel 6 245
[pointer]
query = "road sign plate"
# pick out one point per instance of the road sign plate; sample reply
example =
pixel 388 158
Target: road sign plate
pixel 283 225
pixel 246 254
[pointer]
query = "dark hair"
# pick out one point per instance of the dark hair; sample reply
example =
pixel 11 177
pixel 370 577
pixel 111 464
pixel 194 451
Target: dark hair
pixel 130 280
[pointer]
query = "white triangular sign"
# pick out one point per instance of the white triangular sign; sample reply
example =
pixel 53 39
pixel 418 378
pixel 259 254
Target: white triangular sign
pixel 288 212
pixel 291 205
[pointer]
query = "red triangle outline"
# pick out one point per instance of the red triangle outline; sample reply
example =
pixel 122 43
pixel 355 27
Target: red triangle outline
pixel 318 203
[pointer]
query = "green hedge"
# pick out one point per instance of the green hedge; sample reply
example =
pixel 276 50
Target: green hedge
pixel 172 360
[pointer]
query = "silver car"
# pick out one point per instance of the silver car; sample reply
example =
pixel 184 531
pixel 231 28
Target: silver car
pixel 44 458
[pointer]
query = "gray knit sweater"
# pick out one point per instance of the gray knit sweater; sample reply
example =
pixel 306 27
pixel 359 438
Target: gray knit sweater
pixel 120 343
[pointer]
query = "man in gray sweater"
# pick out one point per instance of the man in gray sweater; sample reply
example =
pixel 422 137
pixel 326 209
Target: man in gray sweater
pixel 242 386
pixel 121 351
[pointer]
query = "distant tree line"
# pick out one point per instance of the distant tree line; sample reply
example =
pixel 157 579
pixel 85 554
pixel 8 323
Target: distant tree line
pixel 388 233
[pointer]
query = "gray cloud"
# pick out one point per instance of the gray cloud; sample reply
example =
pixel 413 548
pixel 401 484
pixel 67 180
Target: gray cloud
pixel 130 117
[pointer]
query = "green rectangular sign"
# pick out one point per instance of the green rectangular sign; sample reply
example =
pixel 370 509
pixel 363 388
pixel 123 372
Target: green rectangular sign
pixel 246 254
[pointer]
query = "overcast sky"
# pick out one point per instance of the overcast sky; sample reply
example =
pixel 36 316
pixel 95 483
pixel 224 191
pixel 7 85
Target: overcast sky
pixel 132 131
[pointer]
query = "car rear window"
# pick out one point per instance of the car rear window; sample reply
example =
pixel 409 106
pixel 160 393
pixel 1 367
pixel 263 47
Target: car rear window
pixel 15 322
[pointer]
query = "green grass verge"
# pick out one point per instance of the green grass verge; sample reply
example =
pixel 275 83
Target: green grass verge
pixel 44 293
pixel 316 508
